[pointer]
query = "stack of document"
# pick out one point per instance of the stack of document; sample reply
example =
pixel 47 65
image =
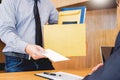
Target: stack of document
pixel 59 76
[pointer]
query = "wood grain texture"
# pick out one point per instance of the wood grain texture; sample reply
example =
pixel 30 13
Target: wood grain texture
pixel 30 74
pixel 118 17
pixel 62 3
pixel 101 30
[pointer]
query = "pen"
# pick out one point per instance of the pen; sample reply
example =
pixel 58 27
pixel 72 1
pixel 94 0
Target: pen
pixel 29 57
pixel 52 74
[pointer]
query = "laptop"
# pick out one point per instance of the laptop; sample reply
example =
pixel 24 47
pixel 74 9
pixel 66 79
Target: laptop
pixel 105 52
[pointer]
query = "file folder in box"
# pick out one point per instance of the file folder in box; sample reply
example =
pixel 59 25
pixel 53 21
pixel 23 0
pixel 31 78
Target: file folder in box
pixel 72 17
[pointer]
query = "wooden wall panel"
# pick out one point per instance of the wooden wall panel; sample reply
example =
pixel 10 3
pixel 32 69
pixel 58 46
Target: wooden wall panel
pixel 101 30
pixel 62 3
pixel 101 25
pixel 118 17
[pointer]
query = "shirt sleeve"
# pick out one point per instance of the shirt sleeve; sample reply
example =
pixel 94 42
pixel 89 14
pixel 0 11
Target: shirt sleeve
pixel 110 70
pixel 53 18
pixel 8 30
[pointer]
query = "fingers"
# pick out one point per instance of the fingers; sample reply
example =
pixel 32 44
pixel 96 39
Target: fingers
pixel 40 49
pixel 36 56
pixel 37 53
pixel 34 51
pixel 97 67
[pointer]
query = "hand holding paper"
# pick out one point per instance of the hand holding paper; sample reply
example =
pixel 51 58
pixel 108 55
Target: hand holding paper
pixel 54 56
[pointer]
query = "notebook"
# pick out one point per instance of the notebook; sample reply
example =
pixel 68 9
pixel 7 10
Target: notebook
pixel 105 52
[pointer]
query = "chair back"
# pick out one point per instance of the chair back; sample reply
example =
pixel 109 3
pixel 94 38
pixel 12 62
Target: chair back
pixel 105 52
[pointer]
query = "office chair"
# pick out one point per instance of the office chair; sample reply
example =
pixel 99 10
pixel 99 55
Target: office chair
pixel 105 52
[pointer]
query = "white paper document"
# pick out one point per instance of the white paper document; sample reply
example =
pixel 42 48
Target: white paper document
pixel 54 56
pixel 59 76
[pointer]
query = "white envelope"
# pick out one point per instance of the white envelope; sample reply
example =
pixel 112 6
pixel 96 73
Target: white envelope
pixel 54 56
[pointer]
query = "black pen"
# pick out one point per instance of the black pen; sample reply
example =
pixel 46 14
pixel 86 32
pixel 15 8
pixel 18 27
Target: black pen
pixel 53 74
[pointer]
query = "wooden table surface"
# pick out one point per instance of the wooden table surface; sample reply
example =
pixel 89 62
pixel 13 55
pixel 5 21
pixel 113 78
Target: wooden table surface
pixel 29 75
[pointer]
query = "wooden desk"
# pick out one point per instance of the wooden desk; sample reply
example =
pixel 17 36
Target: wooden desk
pixel 30 74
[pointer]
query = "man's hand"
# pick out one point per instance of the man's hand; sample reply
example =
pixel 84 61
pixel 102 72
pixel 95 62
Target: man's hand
pixel 97 67
pixel 34 51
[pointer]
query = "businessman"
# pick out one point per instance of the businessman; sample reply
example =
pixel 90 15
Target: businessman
pixel 21 23
pixel 111 68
